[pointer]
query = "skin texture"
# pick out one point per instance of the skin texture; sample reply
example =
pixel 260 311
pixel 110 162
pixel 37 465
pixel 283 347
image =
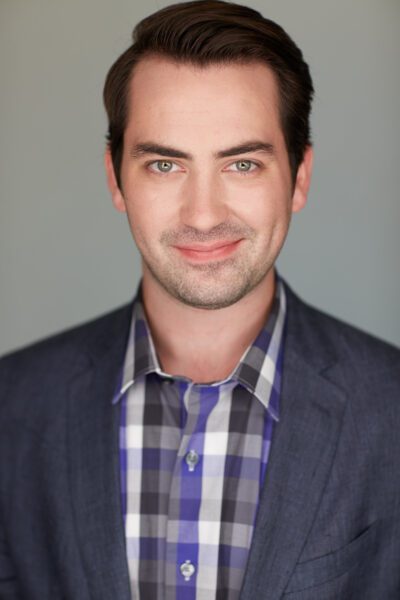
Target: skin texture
pixel 209 226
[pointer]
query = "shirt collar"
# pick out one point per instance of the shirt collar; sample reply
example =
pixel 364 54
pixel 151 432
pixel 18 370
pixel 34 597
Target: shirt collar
pixel 259 369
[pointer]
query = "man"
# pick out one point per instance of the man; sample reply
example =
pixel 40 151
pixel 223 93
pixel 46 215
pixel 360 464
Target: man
pixel 217 439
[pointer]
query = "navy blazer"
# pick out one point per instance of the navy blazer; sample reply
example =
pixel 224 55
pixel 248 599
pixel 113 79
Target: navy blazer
pixel 328 523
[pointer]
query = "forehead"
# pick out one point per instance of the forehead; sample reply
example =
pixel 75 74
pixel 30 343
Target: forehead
pixel 167 99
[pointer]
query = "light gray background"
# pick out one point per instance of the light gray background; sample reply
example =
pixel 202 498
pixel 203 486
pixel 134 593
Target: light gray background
pixel 66 256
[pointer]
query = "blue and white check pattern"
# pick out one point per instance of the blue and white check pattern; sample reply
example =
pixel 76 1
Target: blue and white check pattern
pixel 193 459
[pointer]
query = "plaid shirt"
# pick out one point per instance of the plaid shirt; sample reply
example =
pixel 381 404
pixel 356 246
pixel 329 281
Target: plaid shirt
pixel 193 459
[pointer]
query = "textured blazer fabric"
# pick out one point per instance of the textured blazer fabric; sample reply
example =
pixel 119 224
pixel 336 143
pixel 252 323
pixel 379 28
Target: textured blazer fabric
pixel 327 526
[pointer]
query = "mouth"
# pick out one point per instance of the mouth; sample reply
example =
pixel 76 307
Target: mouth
pixel 204 253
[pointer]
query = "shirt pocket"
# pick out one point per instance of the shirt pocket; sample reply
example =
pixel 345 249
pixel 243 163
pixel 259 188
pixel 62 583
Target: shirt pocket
pixel 324 569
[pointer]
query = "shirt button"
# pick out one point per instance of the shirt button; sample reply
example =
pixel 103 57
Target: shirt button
pixel 187 569
pixel 192 458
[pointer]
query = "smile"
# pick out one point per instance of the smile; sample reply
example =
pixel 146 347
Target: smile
pixel 202 253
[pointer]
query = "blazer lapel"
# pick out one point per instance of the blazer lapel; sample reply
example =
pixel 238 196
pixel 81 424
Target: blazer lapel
pixel 94 475
pixel 302 452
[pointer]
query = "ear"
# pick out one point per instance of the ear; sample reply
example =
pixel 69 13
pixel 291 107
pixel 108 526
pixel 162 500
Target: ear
pixel 303 180
pixel 116 194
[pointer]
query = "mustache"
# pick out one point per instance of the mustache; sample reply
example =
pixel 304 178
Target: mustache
pixel 222 231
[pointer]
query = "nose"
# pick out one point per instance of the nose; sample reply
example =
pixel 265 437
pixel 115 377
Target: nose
pixel 203 203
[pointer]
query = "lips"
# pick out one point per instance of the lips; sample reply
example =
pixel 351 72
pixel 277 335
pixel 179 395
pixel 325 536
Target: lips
pixel 203 252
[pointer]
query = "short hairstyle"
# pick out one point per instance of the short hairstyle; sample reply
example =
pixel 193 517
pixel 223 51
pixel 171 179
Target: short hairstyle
pixel 206 32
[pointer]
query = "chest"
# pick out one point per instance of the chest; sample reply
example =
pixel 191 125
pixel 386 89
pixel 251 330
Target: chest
pixel 193 459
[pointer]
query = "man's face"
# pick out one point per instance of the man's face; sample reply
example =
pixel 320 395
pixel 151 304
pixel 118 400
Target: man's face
pixel 205 178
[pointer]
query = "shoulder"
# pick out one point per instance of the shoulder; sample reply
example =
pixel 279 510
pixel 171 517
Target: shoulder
pixel 323 339
pixel 40 369
pixel 84 337
pixel 361 370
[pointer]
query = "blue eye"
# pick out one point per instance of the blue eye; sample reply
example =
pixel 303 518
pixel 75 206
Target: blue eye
pixel 164 166
pixel 244 165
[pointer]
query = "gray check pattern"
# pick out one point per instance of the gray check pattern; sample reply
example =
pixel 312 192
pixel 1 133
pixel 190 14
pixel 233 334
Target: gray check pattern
pixel 189 522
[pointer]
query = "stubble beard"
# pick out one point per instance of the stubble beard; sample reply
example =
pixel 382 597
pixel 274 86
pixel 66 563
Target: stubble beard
pixel 209 286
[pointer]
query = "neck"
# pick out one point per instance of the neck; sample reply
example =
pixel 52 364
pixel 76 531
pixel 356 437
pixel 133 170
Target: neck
pixel 204 345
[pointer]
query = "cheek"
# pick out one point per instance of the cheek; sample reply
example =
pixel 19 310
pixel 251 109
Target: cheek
pixel 148 214
pixel 262 210
pixel 265 194
pixel 148 195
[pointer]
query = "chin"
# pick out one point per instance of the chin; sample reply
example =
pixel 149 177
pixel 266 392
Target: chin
pixel 211 296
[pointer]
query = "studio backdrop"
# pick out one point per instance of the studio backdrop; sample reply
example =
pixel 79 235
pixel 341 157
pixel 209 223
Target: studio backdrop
pixel 66 255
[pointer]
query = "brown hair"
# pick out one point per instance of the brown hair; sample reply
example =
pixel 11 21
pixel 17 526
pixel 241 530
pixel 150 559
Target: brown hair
pixel 204 32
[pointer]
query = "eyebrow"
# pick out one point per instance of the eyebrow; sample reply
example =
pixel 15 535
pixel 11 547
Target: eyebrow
pixel 168 151
pixel 245 148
